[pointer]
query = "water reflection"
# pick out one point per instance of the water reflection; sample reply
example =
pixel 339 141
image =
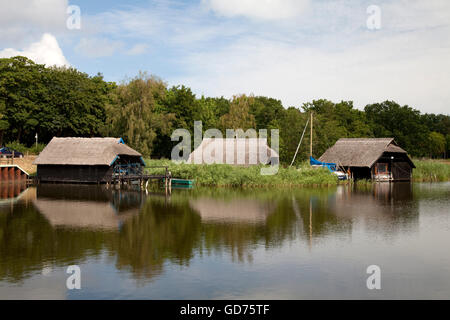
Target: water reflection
pixel 60 225
pixel 88 207
pixel 11 192
pixel 382 207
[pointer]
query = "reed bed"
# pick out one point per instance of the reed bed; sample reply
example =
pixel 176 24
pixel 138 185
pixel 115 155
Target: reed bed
pixel 223 175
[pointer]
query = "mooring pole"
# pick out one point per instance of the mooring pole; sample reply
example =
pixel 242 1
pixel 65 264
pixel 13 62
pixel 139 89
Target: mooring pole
pixel 311 138
pixel 298 147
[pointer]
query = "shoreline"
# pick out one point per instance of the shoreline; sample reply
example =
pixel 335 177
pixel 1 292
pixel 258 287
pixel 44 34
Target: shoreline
pixel 228 176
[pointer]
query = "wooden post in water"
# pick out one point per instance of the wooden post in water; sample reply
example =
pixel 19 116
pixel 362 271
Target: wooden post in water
pixel 311 137
pixel 310 223
pixel 166 181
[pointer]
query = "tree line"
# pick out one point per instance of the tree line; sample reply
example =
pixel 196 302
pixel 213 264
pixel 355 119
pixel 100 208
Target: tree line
pixel 144 111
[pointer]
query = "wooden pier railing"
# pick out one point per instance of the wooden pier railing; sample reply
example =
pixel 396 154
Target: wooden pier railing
pixel 143 179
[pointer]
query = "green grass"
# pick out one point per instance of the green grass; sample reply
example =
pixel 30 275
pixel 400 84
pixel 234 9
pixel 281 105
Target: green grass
pixel 431 170
pixel 223 175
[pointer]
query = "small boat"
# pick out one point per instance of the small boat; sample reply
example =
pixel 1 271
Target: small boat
pixel 332 167
pixel 182 182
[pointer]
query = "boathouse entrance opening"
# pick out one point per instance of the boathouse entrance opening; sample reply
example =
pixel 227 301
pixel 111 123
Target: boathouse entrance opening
pixel 359 173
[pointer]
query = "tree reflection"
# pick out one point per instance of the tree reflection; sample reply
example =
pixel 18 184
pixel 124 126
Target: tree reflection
pixel 65 225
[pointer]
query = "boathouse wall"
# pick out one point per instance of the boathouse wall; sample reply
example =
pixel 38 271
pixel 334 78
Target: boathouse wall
pixel 74 173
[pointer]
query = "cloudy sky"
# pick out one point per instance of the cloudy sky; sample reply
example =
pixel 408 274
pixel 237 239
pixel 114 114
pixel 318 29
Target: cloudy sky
pixel 292 50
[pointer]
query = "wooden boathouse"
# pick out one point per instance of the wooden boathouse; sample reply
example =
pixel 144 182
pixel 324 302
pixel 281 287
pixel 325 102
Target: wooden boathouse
pixel 379 159
pixel 90 160
pixel 234 151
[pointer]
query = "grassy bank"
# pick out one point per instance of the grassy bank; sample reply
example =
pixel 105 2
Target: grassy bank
pixel 223 175
pixel 431 170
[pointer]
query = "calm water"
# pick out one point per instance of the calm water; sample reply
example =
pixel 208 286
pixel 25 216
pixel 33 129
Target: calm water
pixel 225 244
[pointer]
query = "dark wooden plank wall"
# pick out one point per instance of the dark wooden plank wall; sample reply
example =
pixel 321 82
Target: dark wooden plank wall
pixel 72 173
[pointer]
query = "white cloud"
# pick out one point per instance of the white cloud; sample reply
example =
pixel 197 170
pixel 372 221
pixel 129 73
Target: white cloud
pixel 46 51
pixel 138 49
pixel 21 19
pixel 293 50
pixel 403 68
pixel 331 54
pixel 258 9
pixel 98 47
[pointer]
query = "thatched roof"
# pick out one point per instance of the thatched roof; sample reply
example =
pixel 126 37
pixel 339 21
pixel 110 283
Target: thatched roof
pixel 360 152
pixel 237 151
pixel 84 151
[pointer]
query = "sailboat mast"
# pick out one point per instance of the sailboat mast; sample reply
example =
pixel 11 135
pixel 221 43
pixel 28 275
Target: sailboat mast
pixel 311 137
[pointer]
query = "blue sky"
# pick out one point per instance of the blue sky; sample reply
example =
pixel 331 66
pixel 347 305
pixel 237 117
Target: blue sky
pixel 292 50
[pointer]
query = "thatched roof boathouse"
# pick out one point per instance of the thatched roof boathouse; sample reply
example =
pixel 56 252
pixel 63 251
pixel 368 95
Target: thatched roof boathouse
pixel 234 151
pixel 380 159
pixel 86 160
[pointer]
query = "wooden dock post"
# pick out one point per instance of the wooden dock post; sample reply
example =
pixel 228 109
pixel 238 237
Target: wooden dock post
pixel 311 138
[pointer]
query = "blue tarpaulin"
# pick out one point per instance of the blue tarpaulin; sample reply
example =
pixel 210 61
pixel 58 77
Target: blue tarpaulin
pixel 330 166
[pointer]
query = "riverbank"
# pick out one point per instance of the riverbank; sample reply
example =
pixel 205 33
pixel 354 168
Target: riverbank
pixel 224 175
pixel 431 170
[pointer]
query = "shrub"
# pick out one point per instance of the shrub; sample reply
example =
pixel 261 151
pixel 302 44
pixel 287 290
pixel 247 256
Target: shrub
pixel 17 146
pixel 36 149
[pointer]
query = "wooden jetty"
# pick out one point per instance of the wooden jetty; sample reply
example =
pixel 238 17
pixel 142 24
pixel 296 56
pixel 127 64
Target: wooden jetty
pixel 12 172
pixel 142 179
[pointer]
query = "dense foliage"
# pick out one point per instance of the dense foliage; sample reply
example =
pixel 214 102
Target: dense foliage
pixel 49 101
pixel 145 111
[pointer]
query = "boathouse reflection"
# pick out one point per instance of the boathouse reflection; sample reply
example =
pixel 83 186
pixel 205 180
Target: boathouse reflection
pixel 139 234
pixel 87 206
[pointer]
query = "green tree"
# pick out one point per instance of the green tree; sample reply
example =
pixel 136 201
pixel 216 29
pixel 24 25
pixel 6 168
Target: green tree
pixel 239 116
pixel 333 121
pixel 447 143
pixel 135 112
pixel 389 119
pixel 4 124
pixel 437 144
pixel 291 129
pixel 49 101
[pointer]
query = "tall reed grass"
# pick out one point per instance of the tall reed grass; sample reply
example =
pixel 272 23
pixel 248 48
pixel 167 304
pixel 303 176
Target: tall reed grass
pixel 222 175
pixel 431 170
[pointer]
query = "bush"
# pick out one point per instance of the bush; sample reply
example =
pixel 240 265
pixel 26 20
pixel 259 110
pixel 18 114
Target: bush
pixel 36 149
pixel 17 146
pixel 22 148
